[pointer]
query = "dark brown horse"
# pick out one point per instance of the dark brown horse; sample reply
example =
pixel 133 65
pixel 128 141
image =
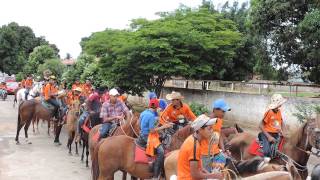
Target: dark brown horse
pixel 117 153
pixel 29 110
pixel 296 148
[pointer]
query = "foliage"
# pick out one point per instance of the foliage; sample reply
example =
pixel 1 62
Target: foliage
pixel 277 23
pixel 54 65
pixel 38 56
pixel 188 43
pixel 19 77
pixel 16 42
pixel 198 109
pixel 306 111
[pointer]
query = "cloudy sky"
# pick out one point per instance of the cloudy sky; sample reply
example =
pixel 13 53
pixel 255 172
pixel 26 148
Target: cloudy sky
pixel 65 22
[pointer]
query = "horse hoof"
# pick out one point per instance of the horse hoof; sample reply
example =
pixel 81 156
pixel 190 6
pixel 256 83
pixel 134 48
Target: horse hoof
pixel 70 154
pixel 17 143
pixel 29 142
pixel 57 143
pixel 77 154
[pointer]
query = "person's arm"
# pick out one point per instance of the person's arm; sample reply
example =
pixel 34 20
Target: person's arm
pixel 105 116
pixel 261 126
pixel 196 173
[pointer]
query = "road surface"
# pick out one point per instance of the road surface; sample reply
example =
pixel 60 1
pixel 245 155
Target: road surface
pixel 39 160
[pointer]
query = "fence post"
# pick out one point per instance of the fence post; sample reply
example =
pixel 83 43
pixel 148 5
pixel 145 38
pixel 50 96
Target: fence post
pixel 259 88
pixel 232 87
pixel 296 91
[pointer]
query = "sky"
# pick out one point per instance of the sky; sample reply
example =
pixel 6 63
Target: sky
pixel 65 22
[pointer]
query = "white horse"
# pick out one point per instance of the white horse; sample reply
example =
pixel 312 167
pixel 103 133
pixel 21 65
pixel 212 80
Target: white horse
pixel 34 92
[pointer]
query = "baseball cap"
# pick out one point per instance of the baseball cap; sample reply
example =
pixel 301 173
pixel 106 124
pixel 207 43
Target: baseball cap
pixel 154 103
pixel 221 104
pixel 113 92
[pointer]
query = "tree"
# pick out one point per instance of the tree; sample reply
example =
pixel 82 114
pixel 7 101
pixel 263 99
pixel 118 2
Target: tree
pixel 39 56
pixel 187 43
pixel 310 36
pixel 277 23
pixel 16 43
pixel 54 65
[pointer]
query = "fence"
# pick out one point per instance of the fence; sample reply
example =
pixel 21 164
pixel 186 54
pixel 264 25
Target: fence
pixel 265 88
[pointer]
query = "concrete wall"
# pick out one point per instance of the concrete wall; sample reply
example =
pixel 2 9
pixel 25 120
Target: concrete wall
pixel 247 109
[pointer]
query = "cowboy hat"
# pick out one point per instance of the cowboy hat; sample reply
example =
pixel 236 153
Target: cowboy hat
pixel 276 101
pixel 77 89
pixel 201 121
pixel 174 95
pixel 52 77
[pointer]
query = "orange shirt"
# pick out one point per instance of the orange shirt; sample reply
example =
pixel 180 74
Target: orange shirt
pixel 187 154
pixel 205 143
pixel 272 121
pixel 86 89
pixel 170 114
pixel 23 82
pixel 28 83
pixel 49 89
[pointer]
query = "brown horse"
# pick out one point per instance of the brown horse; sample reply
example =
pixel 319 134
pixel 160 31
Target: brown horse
pixel 296 148
pixel 118 152
pixel 72 117
pixel 29 110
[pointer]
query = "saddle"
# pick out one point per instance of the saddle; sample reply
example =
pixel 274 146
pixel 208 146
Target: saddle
pixel 255 148
pixel 47 105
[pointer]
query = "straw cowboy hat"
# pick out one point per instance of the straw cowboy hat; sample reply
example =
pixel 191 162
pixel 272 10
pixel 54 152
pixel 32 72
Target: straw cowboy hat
pixel 174 95
pixel 77 89
pixel 276 101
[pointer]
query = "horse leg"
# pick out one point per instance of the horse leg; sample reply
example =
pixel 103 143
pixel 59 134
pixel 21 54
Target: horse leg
pixel 57 133
pixel 33 126
pixel 19 126
pixel 77 153
pixel 124 175
pixel 49 121
pixel 82 155
pixel 87 154
pixel 26 127
pixel 38 119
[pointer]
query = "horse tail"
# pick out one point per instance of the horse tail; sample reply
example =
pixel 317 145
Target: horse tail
pixel 95 162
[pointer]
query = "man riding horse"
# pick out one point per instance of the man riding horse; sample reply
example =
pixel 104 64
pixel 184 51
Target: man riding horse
pixel 27 84
pixel 272 126
pixel 172 114
pixel 112 112
pixel 50 93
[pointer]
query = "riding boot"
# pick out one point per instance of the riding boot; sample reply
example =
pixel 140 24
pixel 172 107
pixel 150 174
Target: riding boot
pixel 26 96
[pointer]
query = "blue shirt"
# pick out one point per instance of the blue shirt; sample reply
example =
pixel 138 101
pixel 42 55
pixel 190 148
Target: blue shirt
pixel 148 120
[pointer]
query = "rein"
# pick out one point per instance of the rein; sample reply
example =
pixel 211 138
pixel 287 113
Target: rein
pixel 131 126
pixel 122 128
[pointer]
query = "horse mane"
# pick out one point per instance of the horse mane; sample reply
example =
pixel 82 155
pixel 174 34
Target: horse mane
pixel 297 135
pixel 179 137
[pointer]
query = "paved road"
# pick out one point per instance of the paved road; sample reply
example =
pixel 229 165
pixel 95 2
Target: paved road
pixel 38 161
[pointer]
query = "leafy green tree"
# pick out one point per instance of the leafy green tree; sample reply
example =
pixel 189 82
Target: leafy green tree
pixel 54 65
pixel 39 55
pixel 16 43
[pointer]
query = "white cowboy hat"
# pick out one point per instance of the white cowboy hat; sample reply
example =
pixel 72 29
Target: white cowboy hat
pixel 174 95
pixel 276 101
pixel 202 120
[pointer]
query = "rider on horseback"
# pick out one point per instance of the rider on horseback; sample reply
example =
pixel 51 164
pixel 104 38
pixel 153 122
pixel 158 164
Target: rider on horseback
pixel 149 135
pixel 272 125
pixel 112 112
pixel 93 106
pixel 27 84
pixel 3 89
pixel 217 150
pixel 189 166
pixel 50 93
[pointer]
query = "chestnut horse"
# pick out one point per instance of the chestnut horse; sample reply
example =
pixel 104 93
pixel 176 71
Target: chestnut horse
pixel 296 148
pixel 72 117
pixel 118 152
pixel 29 110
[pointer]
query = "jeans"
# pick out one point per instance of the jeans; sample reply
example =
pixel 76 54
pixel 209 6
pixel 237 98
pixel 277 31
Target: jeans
pixel 104 130
pixel 158 164
pixel 267 151
pixel 26 92
pixel 55 103
pixel 83 117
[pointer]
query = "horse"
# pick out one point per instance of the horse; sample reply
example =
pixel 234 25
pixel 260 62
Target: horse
pixel 29 110
pixel 119 152
pixel 19 96
pixel 72 117
pixel 244 169
pixel 296 148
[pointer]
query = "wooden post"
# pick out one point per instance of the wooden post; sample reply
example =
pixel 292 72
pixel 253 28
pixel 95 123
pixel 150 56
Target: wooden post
pixel 296 91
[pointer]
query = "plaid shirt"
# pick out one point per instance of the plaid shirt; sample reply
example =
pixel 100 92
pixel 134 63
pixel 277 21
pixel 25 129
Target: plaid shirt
pixel 111 110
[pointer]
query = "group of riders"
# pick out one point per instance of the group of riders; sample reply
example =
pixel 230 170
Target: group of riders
pixel 200 156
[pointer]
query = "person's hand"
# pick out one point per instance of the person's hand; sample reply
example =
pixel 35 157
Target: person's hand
pixel 91 112
pixel 271 139
pixel 227 152
pixel 168 125
pixel 217 176
pixel 119 117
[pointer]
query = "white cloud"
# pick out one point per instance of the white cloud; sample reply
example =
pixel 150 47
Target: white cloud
pixel 65 22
